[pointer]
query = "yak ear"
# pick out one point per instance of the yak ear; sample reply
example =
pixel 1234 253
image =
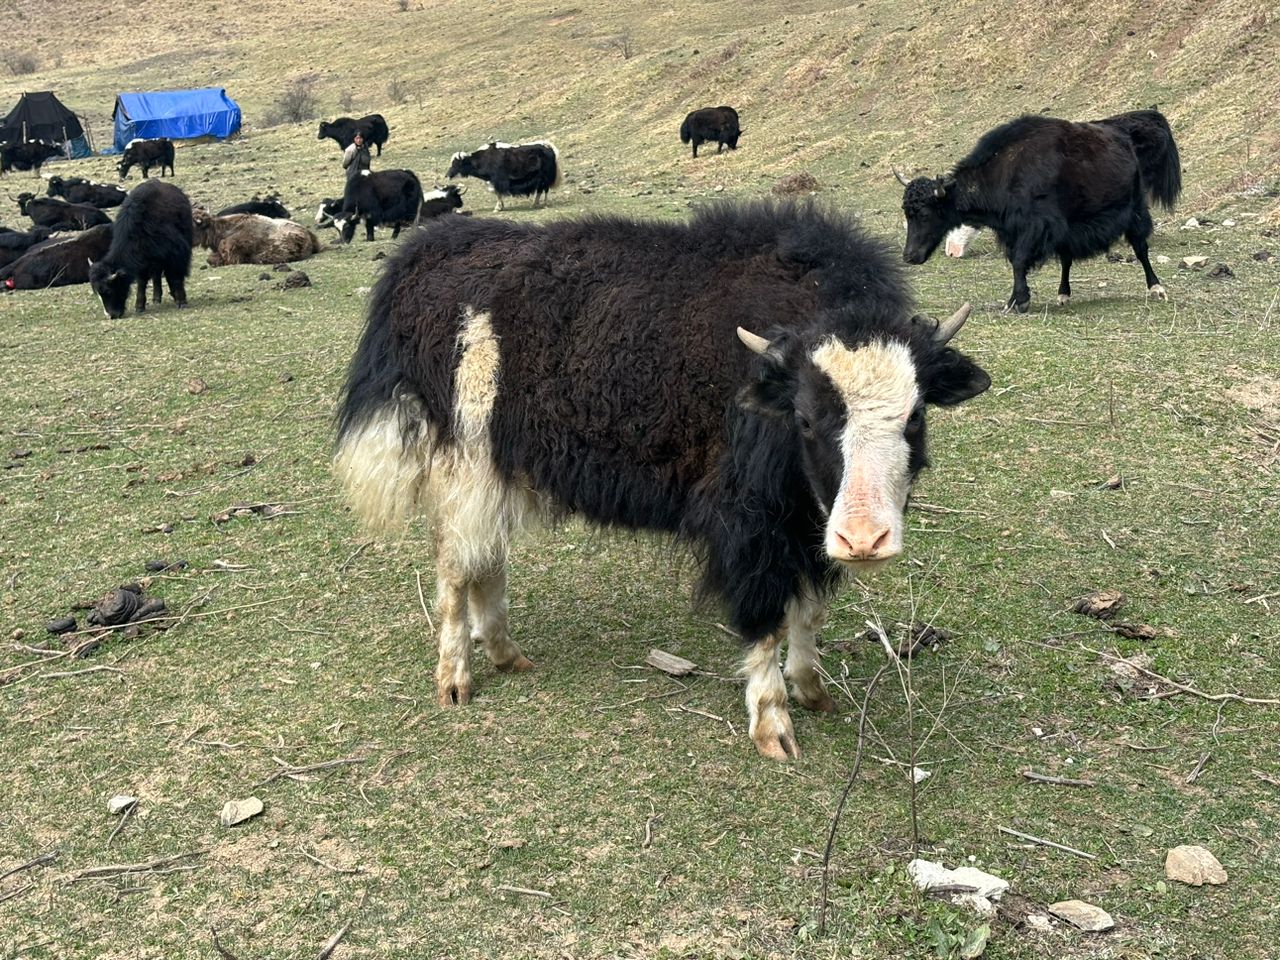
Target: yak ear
pixel 773 391
pixel 954 378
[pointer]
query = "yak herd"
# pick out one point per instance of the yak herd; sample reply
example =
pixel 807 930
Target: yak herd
pixel 753 382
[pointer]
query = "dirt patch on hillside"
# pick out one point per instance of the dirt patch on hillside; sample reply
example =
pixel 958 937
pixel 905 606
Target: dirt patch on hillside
pixel 1258 393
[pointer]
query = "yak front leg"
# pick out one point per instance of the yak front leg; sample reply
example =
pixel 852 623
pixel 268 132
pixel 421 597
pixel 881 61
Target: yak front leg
pixel 805 618
pixel 1064 285
pixel 770 723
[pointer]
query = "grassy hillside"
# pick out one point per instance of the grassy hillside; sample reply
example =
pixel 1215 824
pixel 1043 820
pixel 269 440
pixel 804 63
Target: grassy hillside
pixel 1124 444
pixel 841 90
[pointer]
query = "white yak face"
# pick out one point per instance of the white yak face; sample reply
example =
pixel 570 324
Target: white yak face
pixel 870 463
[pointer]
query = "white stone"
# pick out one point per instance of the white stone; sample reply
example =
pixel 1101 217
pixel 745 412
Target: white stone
pixel 120 803
pixel 1191 224
pixel 1228 223
pixel 1161 258
pixel 1039 922
pixel 919 774
pixel 1194 262
pixel 238 811
pixel 1083 915
pixel 1193 865
pixel 987 888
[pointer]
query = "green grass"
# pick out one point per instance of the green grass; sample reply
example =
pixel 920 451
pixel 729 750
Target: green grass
pixel 548 779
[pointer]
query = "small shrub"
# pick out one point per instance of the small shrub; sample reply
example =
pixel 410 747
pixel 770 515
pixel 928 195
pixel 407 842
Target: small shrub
pixel 621 42
pixel 398 91
pixel 346 100
pixel 403 5
pixel 296 103
pixel 20 64
pixel 794 184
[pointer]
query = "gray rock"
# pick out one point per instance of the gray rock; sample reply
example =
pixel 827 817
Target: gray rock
pixel 120 803
pixel 1083 915
pixel 238 811
pixel 1194 865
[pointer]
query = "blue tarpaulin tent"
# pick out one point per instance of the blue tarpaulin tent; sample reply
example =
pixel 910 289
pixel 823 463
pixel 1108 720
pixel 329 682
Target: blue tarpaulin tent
pixel 176 114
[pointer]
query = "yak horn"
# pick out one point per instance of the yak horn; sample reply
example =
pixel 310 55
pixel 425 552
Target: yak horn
pixel 949 328
pixel 901 179
pixel 753 342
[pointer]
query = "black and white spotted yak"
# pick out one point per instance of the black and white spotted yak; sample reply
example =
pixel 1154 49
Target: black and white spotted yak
pixel 718 125
pixel 512 170
pixel 383 198
pixel 29 155
pixel 147 154
pixel 1049 187
pixel 373 129
pixel 751 381
pixel 151 239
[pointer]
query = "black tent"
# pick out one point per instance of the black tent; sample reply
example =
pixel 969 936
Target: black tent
pixel 41 116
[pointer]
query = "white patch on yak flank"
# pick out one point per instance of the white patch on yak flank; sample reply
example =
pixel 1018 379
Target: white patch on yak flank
pixel 434 195
pixel 460 155
pixel 879 388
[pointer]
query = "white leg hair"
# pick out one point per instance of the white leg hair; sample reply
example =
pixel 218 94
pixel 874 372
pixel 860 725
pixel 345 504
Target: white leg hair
pixel 767 701
pixel 805 618
pixel 488 605
pixel 453 669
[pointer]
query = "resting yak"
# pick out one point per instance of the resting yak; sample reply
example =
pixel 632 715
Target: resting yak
pixel 752 382
pixel 60 261
pixel 249 238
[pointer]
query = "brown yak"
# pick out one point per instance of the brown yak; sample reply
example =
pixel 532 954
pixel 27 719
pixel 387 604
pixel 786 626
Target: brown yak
pixel 249 238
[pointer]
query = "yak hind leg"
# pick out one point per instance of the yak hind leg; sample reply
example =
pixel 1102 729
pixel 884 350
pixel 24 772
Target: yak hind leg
pixel 770 723
pixel 487 601
pixel 805 618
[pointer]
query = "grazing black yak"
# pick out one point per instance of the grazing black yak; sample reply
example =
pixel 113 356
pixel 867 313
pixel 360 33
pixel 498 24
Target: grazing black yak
pixel 152 237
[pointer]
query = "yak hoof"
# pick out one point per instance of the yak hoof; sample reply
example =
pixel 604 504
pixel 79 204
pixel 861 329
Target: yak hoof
pixel 1013 305
pixel 520 664
pixel 819 702
pixel 774 736
pixel 1064 299
pixel 453 694
pixel 1158 291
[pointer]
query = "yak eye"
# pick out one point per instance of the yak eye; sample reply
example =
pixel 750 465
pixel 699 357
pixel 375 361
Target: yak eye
pixel 914 422
pixel 806 428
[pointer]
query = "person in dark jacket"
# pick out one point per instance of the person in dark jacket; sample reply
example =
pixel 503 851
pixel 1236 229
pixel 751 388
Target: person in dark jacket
pixel 355 159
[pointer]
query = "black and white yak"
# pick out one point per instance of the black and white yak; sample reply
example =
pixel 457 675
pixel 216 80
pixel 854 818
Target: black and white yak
pixel 1045 187
pixel 80 190
pixel 29 155
pixel 1158 159
pixel 152 238
pixel 718 125
pixel 512 170
pixel 373 129
pixel 59 261
pixel 751 381
pixel 57 214
pixel 147 154
pixel 384 198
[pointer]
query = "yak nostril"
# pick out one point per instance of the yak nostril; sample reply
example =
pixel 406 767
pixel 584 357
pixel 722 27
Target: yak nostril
pixel 880 542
